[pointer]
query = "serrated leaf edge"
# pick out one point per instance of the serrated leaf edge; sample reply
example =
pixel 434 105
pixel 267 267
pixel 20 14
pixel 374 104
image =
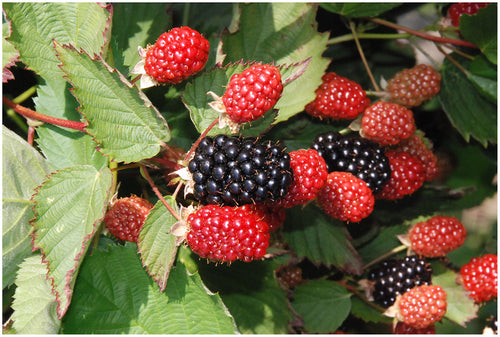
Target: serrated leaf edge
pixel 67 291
pixel 6 73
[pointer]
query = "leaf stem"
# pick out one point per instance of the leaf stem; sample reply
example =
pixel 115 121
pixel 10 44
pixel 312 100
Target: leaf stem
pixel 203 134
pixel 25 95
pixel 144 170
pixel 350 37
pixel 31 134
pixel 363 58
pixel 28 113
pixel 423 35
pixel 386 255
pixel 452 60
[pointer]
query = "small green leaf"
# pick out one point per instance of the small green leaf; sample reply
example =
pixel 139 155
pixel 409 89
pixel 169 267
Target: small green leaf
pixel 468 111
pixel 145 23
pixel 35 307
pixel 68 207
pixel 36 24
pixel 251 293
pixel 322 304
pixel 481 30
pixel 23 169
pixel 9 53
pixel 366 312
pixel 121 118
pixel 461 308
pixel 156 244
pixel 114 295
pixel 383 243
pixel 283 34
pixel 358 9
pixel 311 233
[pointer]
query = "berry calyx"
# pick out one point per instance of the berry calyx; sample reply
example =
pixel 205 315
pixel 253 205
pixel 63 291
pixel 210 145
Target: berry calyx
pixel 234 171
pixel 176 55
pixel 456 10
pixel 227 234
pixel 362 157
pixel 338 97
pixel 411 87
pixel 420 307
pixel 407 176
pixel 346 197
pixel 309 175
pixel 480 277
pixel 125 217
pixel 387 123
pixel 252 93
pixel 437 236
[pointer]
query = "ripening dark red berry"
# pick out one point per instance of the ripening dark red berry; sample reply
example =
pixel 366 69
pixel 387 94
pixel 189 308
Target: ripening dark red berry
pixel 125 217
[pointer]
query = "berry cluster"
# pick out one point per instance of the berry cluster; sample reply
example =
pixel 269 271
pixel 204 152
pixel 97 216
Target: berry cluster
pixel 237 171
pixel 395 277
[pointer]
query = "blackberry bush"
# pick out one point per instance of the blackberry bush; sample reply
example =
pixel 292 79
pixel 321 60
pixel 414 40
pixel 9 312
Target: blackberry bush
pixel 245 130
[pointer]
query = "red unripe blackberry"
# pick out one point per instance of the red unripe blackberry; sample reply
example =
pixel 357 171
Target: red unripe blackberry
pixel 177 54
pixel 227 234
pixel 416 147
pixel 309 175
pixel 125 217
pixel 338 98
pixel 437 236
pixel 271 213
pixel 235 171
pixel 422 306
pixel 411 87
pixel 387 123
pixel 253 92
pixel 289 276
pixel 363 158
pixel 407 176
pixel 394 277
pixel 480 277
pixel 346 197
pixel 457 9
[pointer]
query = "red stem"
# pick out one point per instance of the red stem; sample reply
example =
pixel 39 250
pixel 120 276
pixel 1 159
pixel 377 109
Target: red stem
pixel 31 134
pixel 26 112
pixel 424 35
pixel 158 193
pixel 166 162
pixel 195 145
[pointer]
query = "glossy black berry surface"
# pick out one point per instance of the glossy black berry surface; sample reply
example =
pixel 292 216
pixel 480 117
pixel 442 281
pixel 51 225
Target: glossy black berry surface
pixel 233 171
pixel 397 276
pixel 361 157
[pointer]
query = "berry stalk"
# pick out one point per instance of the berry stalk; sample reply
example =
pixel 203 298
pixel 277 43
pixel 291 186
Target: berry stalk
pixel 363 58
pixel 145 172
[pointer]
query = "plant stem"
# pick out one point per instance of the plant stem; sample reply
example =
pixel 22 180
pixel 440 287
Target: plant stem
pixel 350 37
pixel 185 14
pixel 423 35
pixel 356 292
pixel 360 50
pixel 20 122
pixel 144 170
pixel 452 60
pixel 386 255
pixel 80 126
pixel 25 95
pixel 204 133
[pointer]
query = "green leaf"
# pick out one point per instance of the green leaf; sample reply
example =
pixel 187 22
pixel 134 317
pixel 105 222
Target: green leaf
pixel 486 86
pixel 61 146
pixel 358 9
pixel 35 307
pixel 9 53
pixel 461 308
pixel 121 118
pixel 23 169
pixel 68 207
pixel 35 25
pixel 323 305
pixel 468 111
pixel 481 30
pixel 114 295
pixel 311 233
pixel 366 312
pixel 281 33
pixel 145 23
pixel 156 244
pixel 383 243
pixel 251 293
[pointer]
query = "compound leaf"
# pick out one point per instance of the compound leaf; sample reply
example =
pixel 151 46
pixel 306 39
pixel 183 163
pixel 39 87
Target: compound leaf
pixel 114 295
pixel 121 118
pixel 68 207
pixel 23 169
pixel 35 307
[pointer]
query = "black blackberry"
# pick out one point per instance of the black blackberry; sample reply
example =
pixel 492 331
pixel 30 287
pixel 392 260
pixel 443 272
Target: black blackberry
pixel 397 276
pixel 362 157
pixel 233 171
